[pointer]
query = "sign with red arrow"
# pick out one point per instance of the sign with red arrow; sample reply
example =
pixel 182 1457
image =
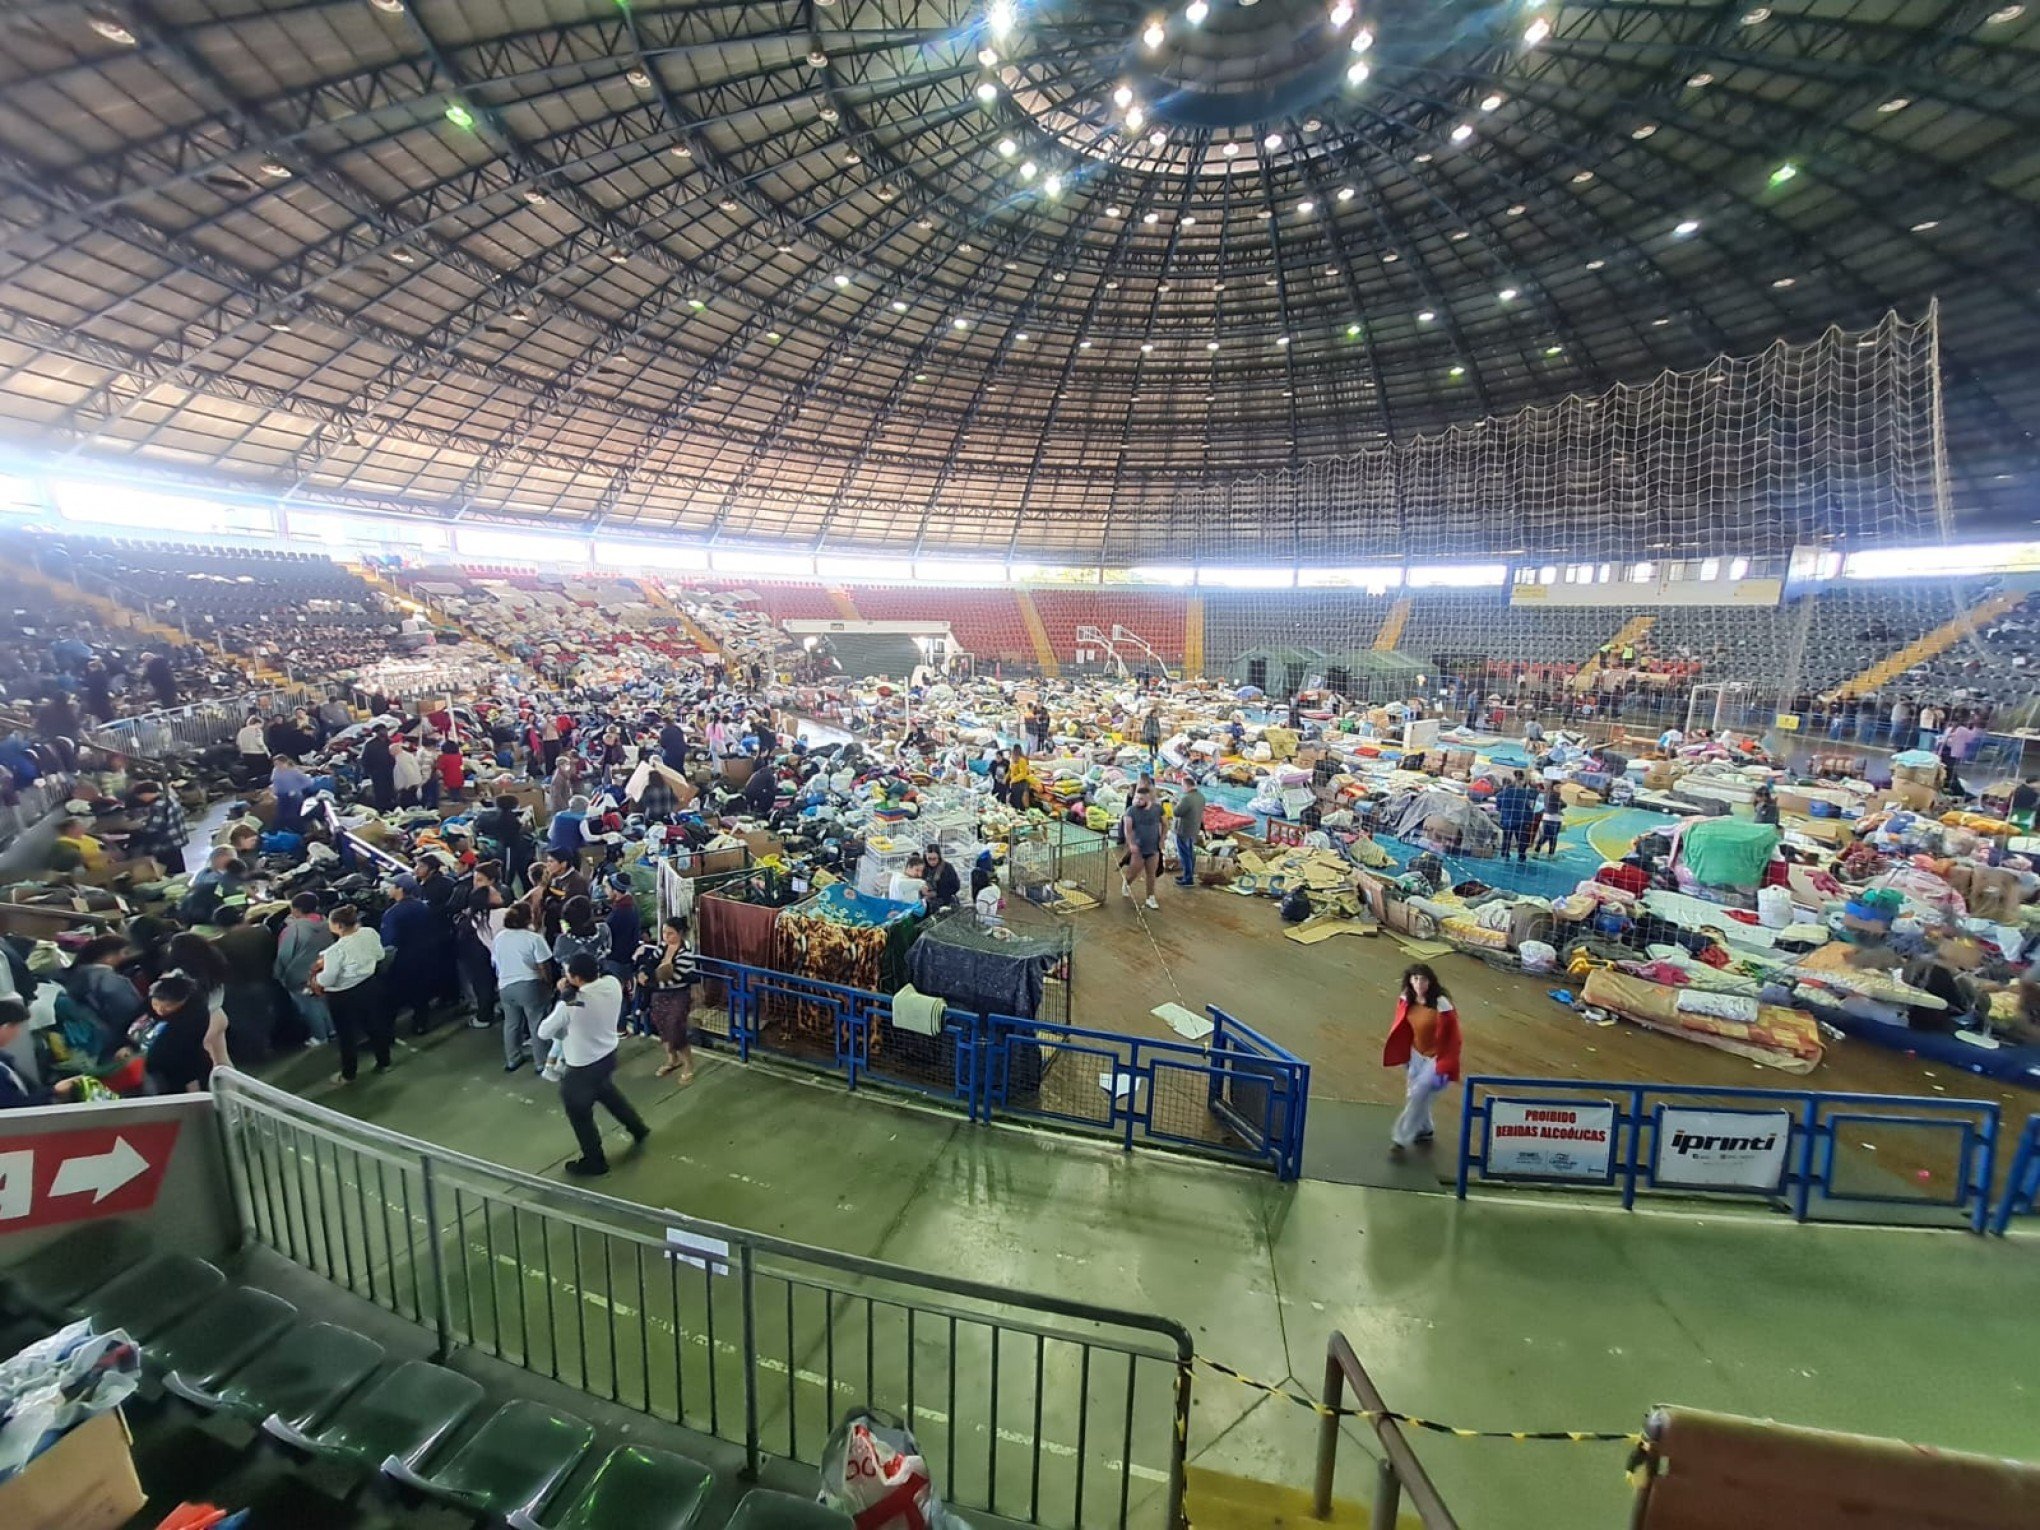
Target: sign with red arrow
pixel 75 1176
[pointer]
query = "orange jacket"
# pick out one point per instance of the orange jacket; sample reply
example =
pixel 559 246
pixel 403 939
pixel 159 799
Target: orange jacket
pixel 1402 1037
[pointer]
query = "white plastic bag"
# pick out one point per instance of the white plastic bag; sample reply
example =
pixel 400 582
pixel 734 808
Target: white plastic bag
pixel 1538 956
pixel 873 1471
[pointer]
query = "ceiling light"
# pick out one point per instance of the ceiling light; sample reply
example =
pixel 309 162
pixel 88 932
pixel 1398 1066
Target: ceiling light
pixel 389 7
pixel 842 278
pixel 1151 218
pixel 1642 131
pixel 988 58
pixel 1363 40
pixel 1029 169
pixel 1052 185
pixel 1784 281
pixel 1755 17
pixel 1342 12
pixel 616 257
pixel 1211 345
pixel 1147 348
pixel 959 324
pixel 111 28
pixel 920 377
pixel 1123 97
pixel 1688 226
pixel 1230 151
pixel 1281 339
pixel 817 58
pixel 1346 193
pixel 1784 173
pixel 640 79
pixel 1114 210
pixel 1660 322
pixel 1195 12
pixel 2003 14
pixel 1536 32
pixel 1581 177
pixel 1596 264
pixel 1517 209
pixel 276 170
pixel 1426 316
pixel 403 257
pixel 697 304
pixel 728 204
pixel 1456 235
pixel 681 151
pixel 1153 35
pixel 899 305
pixel 1895 104
pixel 1357 73
pixel 1423 159
pixel 1306 207
pixel 987 91
pixel 828 113
pixel 1188 219
pixel 852 157
pixel 1924 226
pixel 280 324
pixel 1462 132
pixel 1390 258
pixel 1489 103
pixel 1021 338
pixel 1352 331
pixel 1083 345
pixel 459 115
pixel 1554 350
pixel 1272 141
pixel 1507 294
pixel 1157 138
pixel 1134 118
pixel 1008 148
pixel 999 17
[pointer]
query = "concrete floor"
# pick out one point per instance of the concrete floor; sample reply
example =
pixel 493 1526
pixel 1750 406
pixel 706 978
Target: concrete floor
pixel 1521 1312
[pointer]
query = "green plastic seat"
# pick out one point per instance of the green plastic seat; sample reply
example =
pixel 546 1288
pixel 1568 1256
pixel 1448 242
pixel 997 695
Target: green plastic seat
pixel 218 1338
pixel 152 1296
pixel 402 1417
pixel 60 1275
pixel 299 1379
pixel 511 1465
pixel 763 1509
pixel 636 1488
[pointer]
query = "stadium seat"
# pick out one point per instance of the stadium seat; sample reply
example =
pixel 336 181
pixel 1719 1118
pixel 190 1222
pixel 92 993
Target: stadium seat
pixel 512 1464
pixel 149 1298
pixel 403 1417
pixel 59 1276
pixel 635 1488
pixel 766 1510
pixel 216 1339
pixel 299 1380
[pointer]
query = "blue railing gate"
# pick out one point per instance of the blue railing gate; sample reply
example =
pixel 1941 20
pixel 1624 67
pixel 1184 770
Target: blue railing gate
pixel 2022 1183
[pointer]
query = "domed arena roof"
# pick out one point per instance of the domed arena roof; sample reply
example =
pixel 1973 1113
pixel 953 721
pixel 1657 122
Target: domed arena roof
pixel 1047 280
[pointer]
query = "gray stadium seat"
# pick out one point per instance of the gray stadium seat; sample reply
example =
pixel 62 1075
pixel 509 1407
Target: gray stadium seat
pixel 150 1297
pixel 513 1464
pixel 636 1488
pixel 214 1340
pixel 298 1380
pixel 403 1417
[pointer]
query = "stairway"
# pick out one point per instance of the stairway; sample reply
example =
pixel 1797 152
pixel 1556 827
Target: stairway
pixel 1389 638
pixel 659 600
pixel 1193 637
pixel 1631 631
pixel 1927 646
pixel 114 614
pixel 845 606
pixel 1037 633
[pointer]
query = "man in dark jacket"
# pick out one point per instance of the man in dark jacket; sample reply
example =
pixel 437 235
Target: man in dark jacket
pixel 379 768
pixel 421 946
pixel 1516 809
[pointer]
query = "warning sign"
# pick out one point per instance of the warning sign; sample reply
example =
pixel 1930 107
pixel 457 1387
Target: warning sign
pixel 1550 1139
pixel 75 1176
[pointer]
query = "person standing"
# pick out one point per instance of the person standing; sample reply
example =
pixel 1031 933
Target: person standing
pixel 1141 828
pixel 584 1023
pixel 1551 820
pixel 344 974
pixel 669 978
pixel 304 939
pixel 1516 808
pixel 1151 734
pixel 1189 824
pixel 1424 1042
pixel 407 773
pixel 188 1037
pixel 379 766
pixel 164 830
pixel 473 906
pixel 290 787
pixel 519 954
pixel 421 953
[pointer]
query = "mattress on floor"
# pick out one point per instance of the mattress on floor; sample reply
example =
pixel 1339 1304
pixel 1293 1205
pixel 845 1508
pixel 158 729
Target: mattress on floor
pixel 1779 1038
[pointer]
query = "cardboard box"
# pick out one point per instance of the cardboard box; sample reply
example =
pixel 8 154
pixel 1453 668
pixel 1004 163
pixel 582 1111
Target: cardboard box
pixel 1575 795
pixel 1923 775
pixel 86 1481
pixel 1993 894
pixel 763 845
pixel 1911 796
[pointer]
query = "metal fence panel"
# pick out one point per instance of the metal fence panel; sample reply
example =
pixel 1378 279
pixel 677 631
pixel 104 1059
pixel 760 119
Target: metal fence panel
pixel 1041 1409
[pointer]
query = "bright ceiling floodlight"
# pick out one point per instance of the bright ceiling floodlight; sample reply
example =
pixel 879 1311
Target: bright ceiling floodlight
pixel 841 278
pixel 1151 218
pixel 987 91
pixel 1536 32
pixel 1008 148
pixel 1195 12
pixel 1211 345
pixel 999 18
pixel 817 58
pixel 1357 74
pixel 1352 332
pixel 1281 339
pixel 1457 372
pixel 1895 104
pixel 959 324
pixel 639 79
pixel 2004 14
pixel 1123 97
pixel 1153 35
pixel 1134 118
pixel 1029 169
pixel 1363 40
pixel 1113 210
pixel 1785 172
pixel 1346 193
pixel 1306 207
pixel 1490 103
pixel 1272 141
pixel 1147 348
pixel 1231 151
pixel 899 305
pixel 1052 186
pixel 1342 12
pixel 1756 17
pixel 1507 294
pixel 1462 132
pixel 1426 316
pixel 1688 226
pixel 1157 138
pixel 988 58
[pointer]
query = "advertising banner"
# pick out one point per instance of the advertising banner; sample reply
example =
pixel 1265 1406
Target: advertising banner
pixel 1722 1149
pixel 1550 1139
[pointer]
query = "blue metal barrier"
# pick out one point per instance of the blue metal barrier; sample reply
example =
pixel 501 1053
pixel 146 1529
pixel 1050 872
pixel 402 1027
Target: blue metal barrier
pixel 1781 1145
pixel 2022 1184
pixel 1243 1098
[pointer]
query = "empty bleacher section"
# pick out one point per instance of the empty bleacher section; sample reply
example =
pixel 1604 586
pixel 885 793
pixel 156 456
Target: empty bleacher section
pixel 1158 618
pixel 985 623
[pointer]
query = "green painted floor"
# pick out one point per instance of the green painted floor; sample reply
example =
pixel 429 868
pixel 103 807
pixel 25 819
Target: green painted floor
pixel 1518 1313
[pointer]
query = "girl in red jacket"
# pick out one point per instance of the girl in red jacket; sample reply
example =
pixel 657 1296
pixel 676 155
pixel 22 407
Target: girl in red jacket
pixel 452 768
pixel 1424 1043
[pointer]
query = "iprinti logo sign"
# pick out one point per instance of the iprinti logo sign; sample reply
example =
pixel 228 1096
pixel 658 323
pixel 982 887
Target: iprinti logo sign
pixel 1722 1149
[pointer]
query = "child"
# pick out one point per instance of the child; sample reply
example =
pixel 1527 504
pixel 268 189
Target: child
pixel 1551 820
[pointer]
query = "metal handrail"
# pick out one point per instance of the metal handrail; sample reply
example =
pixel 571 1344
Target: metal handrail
pixel 336 1195
pixel 1396 1472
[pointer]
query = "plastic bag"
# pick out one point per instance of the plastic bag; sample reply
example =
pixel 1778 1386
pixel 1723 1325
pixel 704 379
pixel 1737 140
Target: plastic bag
pixel 1538 956
pixel 873 1470
pixel 56 1384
